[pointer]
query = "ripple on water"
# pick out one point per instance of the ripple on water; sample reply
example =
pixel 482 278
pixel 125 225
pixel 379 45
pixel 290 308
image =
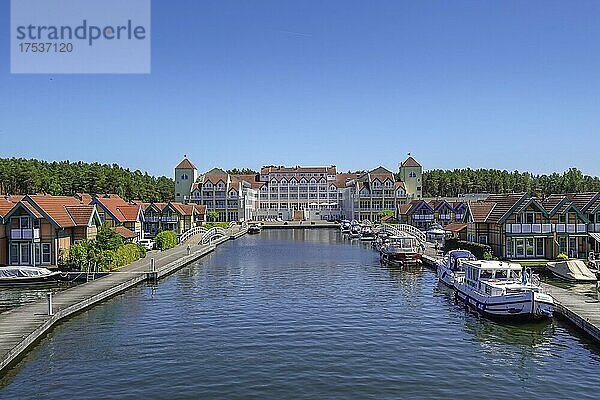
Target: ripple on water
pixel 301 314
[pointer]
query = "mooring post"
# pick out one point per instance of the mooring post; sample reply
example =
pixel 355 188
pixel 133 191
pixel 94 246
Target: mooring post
pixel 152 265
pixel 49 297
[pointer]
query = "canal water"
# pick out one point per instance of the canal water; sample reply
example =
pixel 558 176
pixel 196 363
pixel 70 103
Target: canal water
pixel 301 315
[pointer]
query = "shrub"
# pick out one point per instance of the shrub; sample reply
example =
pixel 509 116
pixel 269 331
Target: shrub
pixel 166 240
pixel 488 256
pixel 223 225
pixel 478 249
pixel 562 257
pixel 126 254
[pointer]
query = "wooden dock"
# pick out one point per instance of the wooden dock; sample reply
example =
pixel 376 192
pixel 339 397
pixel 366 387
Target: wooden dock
pixel 582 311
pixel 23 326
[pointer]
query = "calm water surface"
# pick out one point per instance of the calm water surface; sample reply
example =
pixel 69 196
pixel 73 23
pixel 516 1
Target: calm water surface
pixel 300 314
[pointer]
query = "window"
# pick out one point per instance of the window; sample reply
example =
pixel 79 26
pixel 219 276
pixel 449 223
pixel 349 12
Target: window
pixel 46 259
pixel 37 254
pixel 529 218
pixel 483 239
pixel 14 254
pixel 412 175
pixel 184 177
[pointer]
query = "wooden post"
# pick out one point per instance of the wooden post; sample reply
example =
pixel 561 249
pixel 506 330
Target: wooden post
pixel 49 297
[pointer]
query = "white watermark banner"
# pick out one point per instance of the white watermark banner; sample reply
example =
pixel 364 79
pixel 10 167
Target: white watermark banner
pixel 80 36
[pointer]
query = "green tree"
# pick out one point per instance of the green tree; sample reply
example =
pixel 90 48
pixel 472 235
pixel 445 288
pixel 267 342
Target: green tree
pixel 107 239
pixel 212 215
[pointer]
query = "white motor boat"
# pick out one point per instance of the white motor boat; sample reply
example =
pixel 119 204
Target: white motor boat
pixel 355 231
pixel 26 275
pixel 502 290
pixel 366 233
pixel 345 227
pixel 400 250
pixel 451 265
pixel 572 271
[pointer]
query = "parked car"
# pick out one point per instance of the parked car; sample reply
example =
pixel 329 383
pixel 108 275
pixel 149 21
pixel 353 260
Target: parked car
pixel 147 243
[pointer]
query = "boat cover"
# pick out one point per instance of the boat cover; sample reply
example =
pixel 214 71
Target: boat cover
pixel 23 272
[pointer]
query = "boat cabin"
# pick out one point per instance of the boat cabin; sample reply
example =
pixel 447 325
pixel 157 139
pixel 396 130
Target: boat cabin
pixel 493 278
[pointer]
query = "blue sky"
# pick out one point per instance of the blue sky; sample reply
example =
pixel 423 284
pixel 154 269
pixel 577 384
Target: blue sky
pixel 493 84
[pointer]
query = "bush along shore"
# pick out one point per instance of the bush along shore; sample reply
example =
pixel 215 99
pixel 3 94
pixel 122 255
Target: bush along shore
pixel 107 252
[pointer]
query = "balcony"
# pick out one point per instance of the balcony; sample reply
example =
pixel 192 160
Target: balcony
pixel 24 234
pixel 151 219
pixel 424 217
pixel 169 219
pixel 545 228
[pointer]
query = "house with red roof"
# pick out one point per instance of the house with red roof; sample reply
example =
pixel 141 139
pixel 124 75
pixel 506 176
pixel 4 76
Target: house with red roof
pixel 115 211
pixel 40 229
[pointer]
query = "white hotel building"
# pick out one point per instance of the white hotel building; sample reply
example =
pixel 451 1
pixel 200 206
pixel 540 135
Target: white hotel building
pixel 299 193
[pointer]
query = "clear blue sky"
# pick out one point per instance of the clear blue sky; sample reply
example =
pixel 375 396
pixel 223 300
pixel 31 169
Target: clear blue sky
pixel 495 84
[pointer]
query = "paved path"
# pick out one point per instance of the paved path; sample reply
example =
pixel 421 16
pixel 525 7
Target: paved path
pixel 21 327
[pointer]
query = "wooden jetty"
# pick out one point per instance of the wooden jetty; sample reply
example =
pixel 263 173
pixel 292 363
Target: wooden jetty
pixel 580 310
pixel 22 327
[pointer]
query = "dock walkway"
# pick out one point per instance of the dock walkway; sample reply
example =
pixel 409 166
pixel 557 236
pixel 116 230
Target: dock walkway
pixel 23 326
pixel 582 311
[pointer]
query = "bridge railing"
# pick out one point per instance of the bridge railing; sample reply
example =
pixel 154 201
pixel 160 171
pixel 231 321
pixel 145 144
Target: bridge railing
pixel 191 232
pixel 213 233
pixel 403 228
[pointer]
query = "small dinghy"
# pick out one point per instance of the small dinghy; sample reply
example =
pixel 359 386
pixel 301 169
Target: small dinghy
pixel 572 271
pixel 23 275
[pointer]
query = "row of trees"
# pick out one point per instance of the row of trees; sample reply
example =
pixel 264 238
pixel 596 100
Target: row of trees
pixel 22 176
pixel 459 181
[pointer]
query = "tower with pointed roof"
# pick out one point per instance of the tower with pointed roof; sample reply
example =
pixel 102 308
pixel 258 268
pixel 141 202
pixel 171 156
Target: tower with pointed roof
pixel 185 177
pixel 411 173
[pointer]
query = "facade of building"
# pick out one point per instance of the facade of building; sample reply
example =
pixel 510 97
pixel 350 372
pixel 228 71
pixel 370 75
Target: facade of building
pixel 411 173
pixel 173 216
pixel 185 176
pixel 231 196
pixel 40 229
pixel 519 226
pixel 422 213
pixel 298 193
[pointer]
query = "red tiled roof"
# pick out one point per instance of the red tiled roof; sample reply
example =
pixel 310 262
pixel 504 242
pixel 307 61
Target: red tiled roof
pixel 56 208
pixel 503 203
pixel 271 169
pixel 185 164
pixel 582 200
pixel 7 203
pixel 410 162
pixel 481 210
pixel 200 208
pixel 124 232
pixel 455 227
pixel 120 209
pixel 81 214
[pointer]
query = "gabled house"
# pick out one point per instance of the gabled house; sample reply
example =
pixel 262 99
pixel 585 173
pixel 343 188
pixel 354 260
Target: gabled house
pixel 114 211
pixel 41 228
pixel 173 216
pixel 417 213
pixel 519 226
pixel 6 204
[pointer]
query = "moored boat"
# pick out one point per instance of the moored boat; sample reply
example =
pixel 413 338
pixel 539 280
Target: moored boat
pixel 451 265
pixel 355 231
pixel 254 229
pixel 400 250
pixel 572 271
pixel 26 275
pixel 366 233
pixel 499 289
pixel 345 227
